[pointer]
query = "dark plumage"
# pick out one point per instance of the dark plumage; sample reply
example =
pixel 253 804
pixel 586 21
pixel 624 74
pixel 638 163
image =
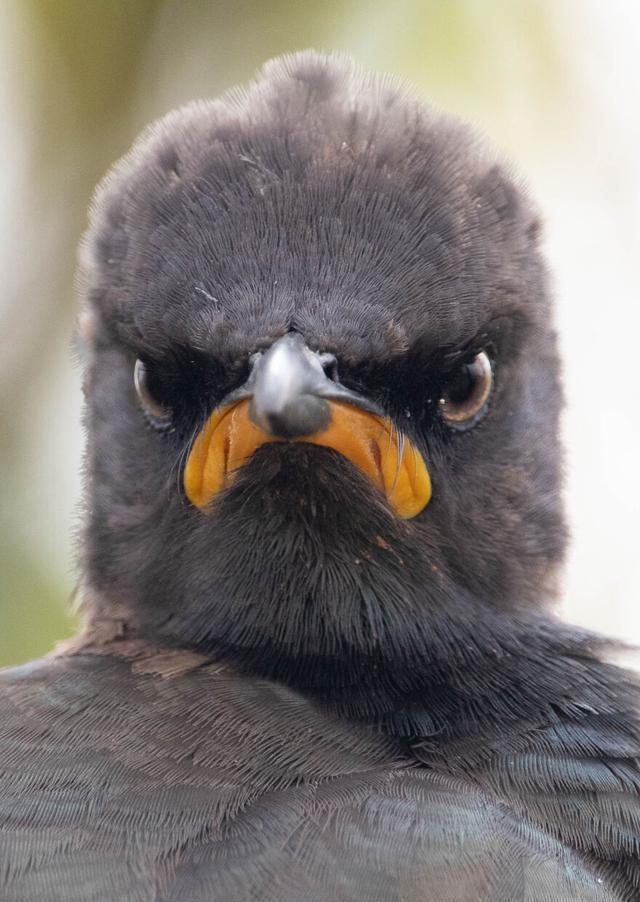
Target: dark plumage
pixel 293 693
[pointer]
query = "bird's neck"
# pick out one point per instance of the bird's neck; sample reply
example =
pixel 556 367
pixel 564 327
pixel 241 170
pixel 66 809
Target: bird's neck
pixel 452 675
pixel 512 671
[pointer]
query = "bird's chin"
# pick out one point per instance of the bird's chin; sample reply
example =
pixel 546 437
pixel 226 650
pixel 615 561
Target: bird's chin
pixel 282 483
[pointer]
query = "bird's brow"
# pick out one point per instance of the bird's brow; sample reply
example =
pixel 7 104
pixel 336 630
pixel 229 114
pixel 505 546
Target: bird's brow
pixel 497 333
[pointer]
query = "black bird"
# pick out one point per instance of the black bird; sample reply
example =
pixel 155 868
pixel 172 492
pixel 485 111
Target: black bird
pixel 323 534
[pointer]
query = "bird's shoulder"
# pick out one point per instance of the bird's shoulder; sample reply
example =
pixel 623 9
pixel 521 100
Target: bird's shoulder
pixel 579 779
pixel 575 775
pixel 158 775
pixel 161 716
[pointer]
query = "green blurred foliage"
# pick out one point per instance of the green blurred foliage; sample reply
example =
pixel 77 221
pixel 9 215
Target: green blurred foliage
pixel 35 611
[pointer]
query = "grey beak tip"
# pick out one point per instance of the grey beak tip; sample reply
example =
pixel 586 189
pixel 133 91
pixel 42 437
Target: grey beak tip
pixel 306 417
pixel 288 384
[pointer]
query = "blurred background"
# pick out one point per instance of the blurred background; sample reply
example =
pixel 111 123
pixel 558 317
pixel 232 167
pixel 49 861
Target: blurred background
pixel 555 86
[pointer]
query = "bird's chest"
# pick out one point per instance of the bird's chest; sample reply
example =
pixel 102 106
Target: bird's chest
pixel 119 784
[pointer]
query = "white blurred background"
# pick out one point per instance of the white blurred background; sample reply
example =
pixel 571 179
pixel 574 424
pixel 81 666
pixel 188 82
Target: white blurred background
pixel 554 84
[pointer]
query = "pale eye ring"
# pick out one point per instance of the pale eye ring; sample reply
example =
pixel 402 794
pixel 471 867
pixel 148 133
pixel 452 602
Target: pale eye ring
pixel 466 392
pixel 158 412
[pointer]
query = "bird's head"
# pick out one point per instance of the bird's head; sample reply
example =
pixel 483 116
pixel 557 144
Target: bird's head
pixel 323 385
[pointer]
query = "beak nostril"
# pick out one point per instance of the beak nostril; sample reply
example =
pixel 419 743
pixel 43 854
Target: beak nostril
pixel 329 363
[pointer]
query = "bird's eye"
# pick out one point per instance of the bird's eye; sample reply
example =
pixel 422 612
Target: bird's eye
pixel 158 412
pixel 465 394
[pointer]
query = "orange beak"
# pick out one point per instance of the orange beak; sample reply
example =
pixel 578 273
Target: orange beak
pixel 370 442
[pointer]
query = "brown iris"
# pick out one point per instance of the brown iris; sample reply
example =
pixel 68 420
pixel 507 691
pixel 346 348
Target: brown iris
pixel 466 393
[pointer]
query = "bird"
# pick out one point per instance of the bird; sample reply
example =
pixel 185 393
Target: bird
pixel 323 533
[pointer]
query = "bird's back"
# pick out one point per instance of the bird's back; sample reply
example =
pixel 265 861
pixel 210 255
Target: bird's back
pixel 159 776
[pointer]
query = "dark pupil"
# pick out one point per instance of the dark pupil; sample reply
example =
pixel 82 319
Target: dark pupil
pixel 154 386
pixel 460 385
